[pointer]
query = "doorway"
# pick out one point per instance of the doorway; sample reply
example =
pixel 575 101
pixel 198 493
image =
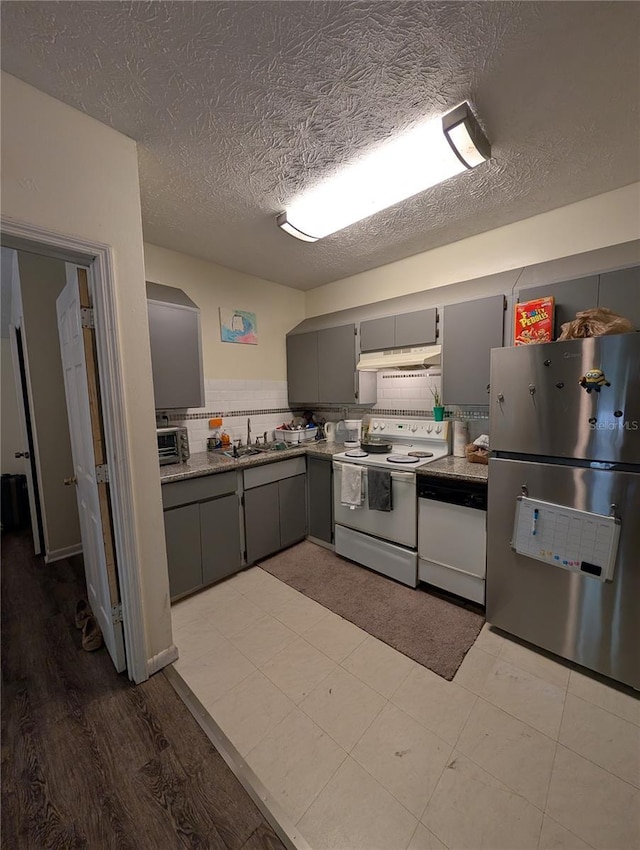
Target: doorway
pixel 36 521
pixel 98 260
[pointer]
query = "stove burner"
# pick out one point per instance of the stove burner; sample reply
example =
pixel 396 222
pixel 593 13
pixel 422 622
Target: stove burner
pixel 356 453
pixel 402 459
pixel 420 454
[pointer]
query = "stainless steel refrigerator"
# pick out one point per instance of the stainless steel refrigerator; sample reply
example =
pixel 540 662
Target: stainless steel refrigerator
pixel 565 440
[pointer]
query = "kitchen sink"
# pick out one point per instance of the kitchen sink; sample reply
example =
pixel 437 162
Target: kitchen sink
pixel 244 451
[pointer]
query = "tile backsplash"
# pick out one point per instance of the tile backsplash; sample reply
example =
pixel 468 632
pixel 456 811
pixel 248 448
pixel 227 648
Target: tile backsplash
pixel 407 390
pixel 266 403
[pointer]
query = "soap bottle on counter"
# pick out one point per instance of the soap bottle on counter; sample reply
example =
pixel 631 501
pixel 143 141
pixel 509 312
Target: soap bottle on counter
pixel 225 439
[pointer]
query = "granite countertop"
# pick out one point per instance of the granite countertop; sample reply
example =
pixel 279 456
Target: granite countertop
pixel 456 467
pixel 210 463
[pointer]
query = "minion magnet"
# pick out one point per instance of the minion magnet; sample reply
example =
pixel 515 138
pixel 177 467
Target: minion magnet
pixel 594 379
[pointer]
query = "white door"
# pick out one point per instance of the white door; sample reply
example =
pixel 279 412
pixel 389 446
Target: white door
pixel 17 358
pixel 87 447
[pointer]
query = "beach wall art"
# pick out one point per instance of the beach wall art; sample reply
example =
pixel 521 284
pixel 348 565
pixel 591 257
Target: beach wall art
pixel 238 326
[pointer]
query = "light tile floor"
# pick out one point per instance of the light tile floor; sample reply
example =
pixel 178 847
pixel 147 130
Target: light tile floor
pixel 366 750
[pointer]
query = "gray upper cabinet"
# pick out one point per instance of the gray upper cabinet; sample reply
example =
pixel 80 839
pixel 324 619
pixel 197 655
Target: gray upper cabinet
pixel 302 367
pixel 570 297
pixel 378 334
pixel 405 330
pixel 470 330
pixel 337 364
pixel 418 328
pixel 620 292
pixel 176 348
pixel 321 368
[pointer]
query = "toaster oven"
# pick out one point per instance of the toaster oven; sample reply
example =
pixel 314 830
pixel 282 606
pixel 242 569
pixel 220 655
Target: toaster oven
pixel 173 445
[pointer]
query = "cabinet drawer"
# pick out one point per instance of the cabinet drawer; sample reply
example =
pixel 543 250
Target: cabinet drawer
pixel 259 475
pixel 198 489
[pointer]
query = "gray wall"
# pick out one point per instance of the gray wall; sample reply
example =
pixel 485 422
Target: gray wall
pixel 41 281
pixel 503 283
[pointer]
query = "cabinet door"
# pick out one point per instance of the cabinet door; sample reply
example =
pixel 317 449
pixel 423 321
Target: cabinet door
pixel 302 367
pixel 570 295
pixel 470 330
pixel 320 498
pixel 293 509
pixel 220 538
pixel 620 292
pixel 337 365
pixel 262 521
pixel 176 356
pixel 182 533
pixel 418 328
pixel 377 334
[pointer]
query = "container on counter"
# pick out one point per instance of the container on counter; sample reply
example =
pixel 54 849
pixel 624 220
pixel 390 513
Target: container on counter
pixel 460 437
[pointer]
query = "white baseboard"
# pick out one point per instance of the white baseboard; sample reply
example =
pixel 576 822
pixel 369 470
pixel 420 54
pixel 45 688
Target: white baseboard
pixel 59 554
pixel 162 659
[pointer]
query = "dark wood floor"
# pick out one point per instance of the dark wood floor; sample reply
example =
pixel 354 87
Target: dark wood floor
pixel 88 760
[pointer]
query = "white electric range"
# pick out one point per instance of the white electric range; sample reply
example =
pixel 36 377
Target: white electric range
pixel 387 541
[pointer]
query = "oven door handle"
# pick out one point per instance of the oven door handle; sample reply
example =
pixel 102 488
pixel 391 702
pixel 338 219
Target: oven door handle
pixel 397 476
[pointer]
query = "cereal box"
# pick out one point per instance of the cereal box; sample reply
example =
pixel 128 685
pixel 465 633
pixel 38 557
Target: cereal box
pixel 533 321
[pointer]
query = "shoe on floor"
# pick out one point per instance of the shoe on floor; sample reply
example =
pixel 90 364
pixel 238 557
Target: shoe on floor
pixel 91 635
pixel 82 612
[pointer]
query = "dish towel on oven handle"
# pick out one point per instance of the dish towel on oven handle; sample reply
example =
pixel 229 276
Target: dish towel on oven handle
pixel 351 487
pixel 379 490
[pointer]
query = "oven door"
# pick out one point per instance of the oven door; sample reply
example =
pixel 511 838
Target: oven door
pixel 398 525
pixel 168 445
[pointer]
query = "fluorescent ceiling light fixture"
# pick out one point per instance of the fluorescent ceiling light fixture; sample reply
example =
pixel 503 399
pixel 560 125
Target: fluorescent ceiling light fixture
pixel 399 169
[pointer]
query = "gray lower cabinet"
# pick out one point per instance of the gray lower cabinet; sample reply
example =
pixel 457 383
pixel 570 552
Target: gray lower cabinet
pixel 220 538
pixel 275 516
pixel 320 498
pixel 292 496
pixel 202 531
pixel 470 330
pixel 261 521
pixel 184 554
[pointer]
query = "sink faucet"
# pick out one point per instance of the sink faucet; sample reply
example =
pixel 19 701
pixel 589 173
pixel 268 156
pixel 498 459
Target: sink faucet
pixel 249 431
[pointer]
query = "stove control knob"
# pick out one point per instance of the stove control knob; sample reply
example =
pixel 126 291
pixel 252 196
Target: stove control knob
pixel 429 428
pixel 374 425
pixel 414 428
pixel 438 429
pixel 382 426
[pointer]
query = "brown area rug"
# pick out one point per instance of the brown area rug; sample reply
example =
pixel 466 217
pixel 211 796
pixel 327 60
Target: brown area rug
pixel 433 631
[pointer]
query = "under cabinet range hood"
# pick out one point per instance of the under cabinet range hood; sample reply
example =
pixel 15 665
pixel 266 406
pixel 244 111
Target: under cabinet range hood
pixel 421 357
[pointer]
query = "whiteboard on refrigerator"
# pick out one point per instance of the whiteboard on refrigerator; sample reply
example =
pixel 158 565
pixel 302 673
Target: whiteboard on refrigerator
pixel 568 538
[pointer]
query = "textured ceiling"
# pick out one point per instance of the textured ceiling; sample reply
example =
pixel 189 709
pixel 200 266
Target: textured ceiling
pixel 239 106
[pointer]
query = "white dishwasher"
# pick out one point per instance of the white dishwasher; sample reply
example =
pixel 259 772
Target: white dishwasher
pixel 452 535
